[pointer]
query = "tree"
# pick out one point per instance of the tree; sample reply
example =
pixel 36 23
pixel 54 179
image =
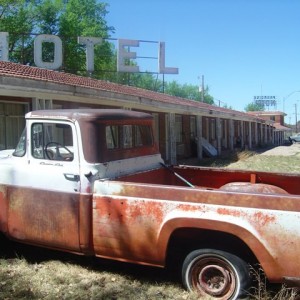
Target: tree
pixel 90 22
pixel 24 19
pixel 16 17
pixel 225 105
pixel 187 91
pixel 146 81
pixel 254 107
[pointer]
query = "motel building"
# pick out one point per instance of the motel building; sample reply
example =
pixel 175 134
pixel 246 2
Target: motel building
pixel 183 128
pixel 281 132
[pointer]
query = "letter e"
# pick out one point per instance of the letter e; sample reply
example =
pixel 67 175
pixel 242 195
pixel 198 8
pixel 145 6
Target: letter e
pixel 123 55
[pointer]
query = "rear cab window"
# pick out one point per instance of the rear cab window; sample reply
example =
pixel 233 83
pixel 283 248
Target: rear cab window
pixel 128 136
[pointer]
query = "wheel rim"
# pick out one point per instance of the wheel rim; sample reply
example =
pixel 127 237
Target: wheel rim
pixel 215 277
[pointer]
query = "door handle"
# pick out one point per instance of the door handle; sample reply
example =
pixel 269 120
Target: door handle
pixel 71 177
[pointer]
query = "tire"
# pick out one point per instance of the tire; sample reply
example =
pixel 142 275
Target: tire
pixel 215 273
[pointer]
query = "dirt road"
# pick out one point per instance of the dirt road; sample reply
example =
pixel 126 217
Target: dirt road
pixel 291 150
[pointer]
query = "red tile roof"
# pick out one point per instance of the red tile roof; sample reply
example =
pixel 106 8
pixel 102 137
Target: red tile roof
pixel 10 69
pixel 267 113
pixel 280 127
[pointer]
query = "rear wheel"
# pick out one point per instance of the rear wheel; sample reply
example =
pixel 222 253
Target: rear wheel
pixel 215 273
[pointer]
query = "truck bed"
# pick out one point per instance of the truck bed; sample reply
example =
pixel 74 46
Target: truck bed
pixel 152 205
pixel 216 178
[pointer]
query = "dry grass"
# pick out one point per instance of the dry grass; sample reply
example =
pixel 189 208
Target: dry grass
pixel 70 277
pixel 260 288
pixel 251 160
pixel 32 273
pixel 274 163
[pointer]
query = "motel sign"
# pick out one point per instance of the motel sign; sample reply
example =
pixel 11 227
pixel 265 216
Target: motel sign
pixel 123 54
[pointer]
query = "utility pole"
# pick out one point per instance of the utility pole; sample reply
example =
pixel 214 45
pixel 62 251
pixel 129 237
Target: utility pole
pixel 296 117
pixel 202 95
pixel 201 88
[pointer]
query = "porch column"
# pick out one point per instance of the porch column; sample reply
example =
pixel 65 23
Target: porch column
pixel 231 134
pixel 242 135
pixel 256 133
pixel 272 135
pixel 172 135
pixel 226 134
pixel 261 134
pixel 199 137
pixel 38 103
pixel 266 134
pixel 219 137
pixel 250 135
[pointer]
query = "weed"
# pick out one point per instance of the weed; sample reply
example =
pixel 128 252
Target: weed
pixel 262 290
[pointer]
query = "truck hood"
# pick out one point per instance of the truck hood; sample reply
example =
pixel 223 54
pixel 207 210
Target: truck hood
pixel 6 153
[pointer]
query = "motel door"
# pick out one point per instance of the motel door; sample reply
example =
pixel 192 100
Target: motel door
pixel 12 123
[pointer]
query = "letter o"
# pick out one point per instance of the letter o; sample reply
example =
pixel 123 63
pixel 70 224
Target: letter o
pixel 38 43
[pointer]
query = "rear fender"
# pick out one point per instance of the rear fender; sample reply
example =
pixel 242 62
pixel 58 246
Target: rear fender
pixel 249 238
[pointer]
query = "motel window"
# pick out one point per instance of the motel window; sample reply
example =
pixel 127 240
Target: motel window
pixel 12 123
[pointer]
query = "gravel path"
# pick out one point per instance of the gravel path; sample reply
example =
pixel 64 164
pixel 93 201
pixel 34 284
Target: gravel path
pixel 293 149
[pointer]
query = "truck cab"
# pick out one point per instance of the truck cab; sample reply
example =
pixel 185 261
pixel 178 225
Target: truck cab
pixel 59 156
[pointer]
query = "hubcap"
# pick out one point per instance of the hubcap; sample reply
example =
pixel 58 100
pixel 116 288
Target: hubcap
pixel 214 280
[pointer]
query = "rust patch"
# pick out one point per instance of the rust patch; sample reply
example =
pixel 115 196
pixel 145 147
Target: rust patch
pixel 44 217
pixel 260 218
pixel 3 209
pixel 263 219
pixel 127 228
pixel 229 212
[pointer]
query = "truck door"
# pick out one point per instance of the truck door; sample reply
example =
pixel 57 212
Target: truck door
pixel 44 204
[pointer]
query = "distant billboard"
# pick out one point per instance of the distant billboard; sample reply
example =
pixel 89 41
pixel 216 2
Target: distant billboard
pixel 265 100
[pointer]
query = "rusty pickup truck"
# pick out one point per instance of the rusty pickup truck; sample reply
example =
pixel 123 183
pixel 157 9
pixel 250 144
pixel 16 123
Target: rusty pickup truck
pixel 93 182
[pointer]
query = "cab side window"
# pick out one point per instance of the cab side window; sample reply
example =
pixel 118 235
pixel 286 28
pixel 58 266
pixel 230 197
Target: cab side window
pixel 52 141
pixel 21 147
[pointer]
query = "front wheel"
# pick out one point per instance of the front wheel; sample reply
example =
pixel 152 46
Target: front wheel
pixel 215 273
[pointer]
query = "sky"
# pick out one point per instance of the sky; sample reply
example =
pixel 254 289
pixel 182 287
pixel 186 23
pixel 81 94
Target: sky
pixel 243 48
